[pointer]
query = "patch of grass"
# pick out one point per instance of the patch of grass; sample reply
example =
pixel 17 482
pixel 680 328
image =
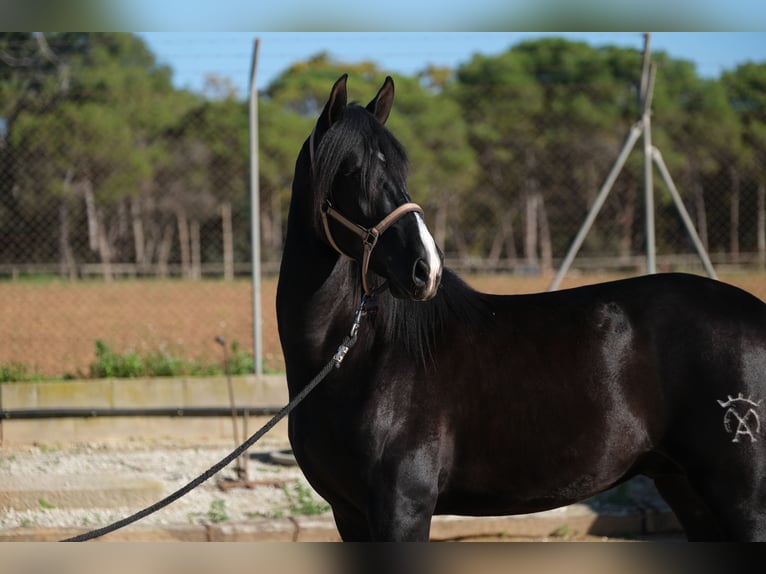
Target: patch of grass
pixel 271 514
pixel 215 514
pixel 28 523
pixel 4 460
pixel 301 501
pixel 561 532
pixel 240 361
pixel 17 372
pixel 110 364
pixel 45 504
pixel 131 364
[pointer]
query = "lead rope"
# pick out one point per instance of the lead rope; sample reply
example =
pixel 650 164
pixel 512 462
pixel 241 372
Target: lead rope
pixel 334 363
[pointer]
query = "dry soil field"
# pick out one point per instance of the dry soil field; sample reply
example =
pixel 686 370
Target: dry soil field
pixel 51 326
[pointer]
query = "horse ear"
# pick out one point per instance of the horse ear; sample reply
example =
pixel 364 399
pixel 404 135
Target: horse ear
pixel 335 103
pixel 381 104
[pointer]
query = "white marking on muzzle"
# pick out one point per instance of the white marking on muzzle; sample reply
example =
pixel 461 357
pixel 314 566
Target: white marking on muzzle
pixel 434 261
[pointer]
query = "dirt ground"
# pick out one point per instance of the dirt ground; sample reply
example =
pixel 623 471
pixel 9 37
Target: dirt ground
pixel 52 326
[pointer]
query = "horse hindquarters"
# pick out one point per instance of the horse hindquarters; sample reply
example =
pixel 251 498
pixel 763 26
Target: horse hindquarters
pixel 716 376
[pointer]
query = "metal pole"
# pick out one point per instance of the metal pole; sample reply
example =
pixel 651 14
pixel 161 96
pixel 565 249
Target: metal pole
pixel 240 467
pixel 633 136
pixel 651 265
pixel 657 156
pixel 255 216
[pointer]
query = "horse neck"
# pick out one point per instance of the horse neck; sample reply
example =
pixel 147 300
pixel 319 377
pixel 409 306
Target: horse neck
pixel 316 285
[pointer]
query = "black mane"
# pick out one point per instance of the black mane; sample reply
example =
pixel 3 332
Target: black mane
pixel 418 326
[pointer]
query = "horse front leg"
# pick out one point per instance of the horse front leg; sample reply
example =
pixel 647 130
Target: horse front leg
pixel 403 494
pixel 352 524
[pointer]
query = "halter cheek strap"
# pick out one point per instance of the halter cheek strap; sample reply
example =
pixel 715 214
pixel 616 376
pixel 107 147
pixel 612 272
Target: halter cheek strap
pixel 369 236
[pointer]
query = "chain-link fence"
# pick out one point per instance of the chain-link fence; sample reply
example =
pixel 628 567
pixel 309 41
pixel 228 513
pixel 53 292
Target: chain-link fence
pixel 108 174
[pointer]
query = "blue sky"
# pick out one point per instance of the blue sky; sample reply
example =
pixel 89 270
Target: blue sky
pixel 194 55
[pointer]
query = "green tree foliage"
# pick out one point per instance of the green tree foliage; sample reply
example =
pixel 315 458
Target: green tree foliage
pixel 103 160
pixel 89 133
pixel 746 91
pixel 546 117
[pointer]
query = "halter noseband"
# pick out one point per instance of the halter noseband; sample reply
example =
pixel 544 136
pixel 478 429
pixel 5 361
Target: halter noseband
pixel 368 235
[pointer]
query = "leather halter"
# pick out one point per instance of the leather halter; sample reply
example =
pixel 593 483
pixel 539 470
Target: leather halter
pixel 368 235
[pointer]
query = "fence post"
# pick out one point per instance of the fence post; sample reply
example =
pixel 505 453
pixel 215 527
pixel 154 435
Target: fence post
pixel 255 216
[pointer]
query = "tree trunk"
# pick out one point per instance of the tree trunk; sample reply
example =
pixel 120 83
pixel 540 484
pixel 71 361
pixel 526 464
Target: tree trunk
pixel 531 233
pixel 440 223
pixel 228 241
pixel 90 210
pixel 532 218
pixel 139 241
pixel 460 243
pixel 163 251
pixel 510 244
pixel 496 249
pixel 152 242
pixel 627 219
pixel 734 216
pixel 699 196
pixel 196 251
pixel 546 245
pixel 503 238
pixel 761 231
pixel 68 266
pixel 104 250
pixel 276 218
pixel 183 241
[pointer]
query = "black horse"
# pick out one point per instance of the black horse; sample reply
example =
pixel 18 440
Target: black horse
pixel 460 402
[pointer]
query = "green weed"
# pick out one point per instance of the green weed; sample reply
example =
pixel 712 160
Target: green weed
pixel 215 514
pixel 110 364
pixel 131 364
pixel 16 372
pixel 28 523
pixel 301 501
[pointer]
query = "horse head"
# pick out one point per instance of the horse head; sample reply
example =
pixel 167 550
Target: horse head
pixel 361 204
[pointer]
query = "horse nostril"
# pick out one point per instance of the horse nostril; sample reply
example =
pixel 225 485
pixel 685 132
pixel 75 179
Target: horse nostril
pixel 420 273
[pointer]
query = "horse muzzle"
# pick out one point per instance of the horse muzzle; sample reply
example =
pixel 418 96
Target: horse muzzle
pixel 426 271
pixel 426 278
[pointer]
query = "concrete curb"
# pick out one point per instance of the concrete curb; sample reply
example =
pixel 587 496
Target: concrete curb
pixel 560 524
pixel 26 493
pixel 177 393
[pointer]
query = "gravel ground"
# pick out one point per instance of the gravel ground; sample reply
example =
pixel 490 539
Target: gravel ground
pixel 284 490
pixel 277 489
